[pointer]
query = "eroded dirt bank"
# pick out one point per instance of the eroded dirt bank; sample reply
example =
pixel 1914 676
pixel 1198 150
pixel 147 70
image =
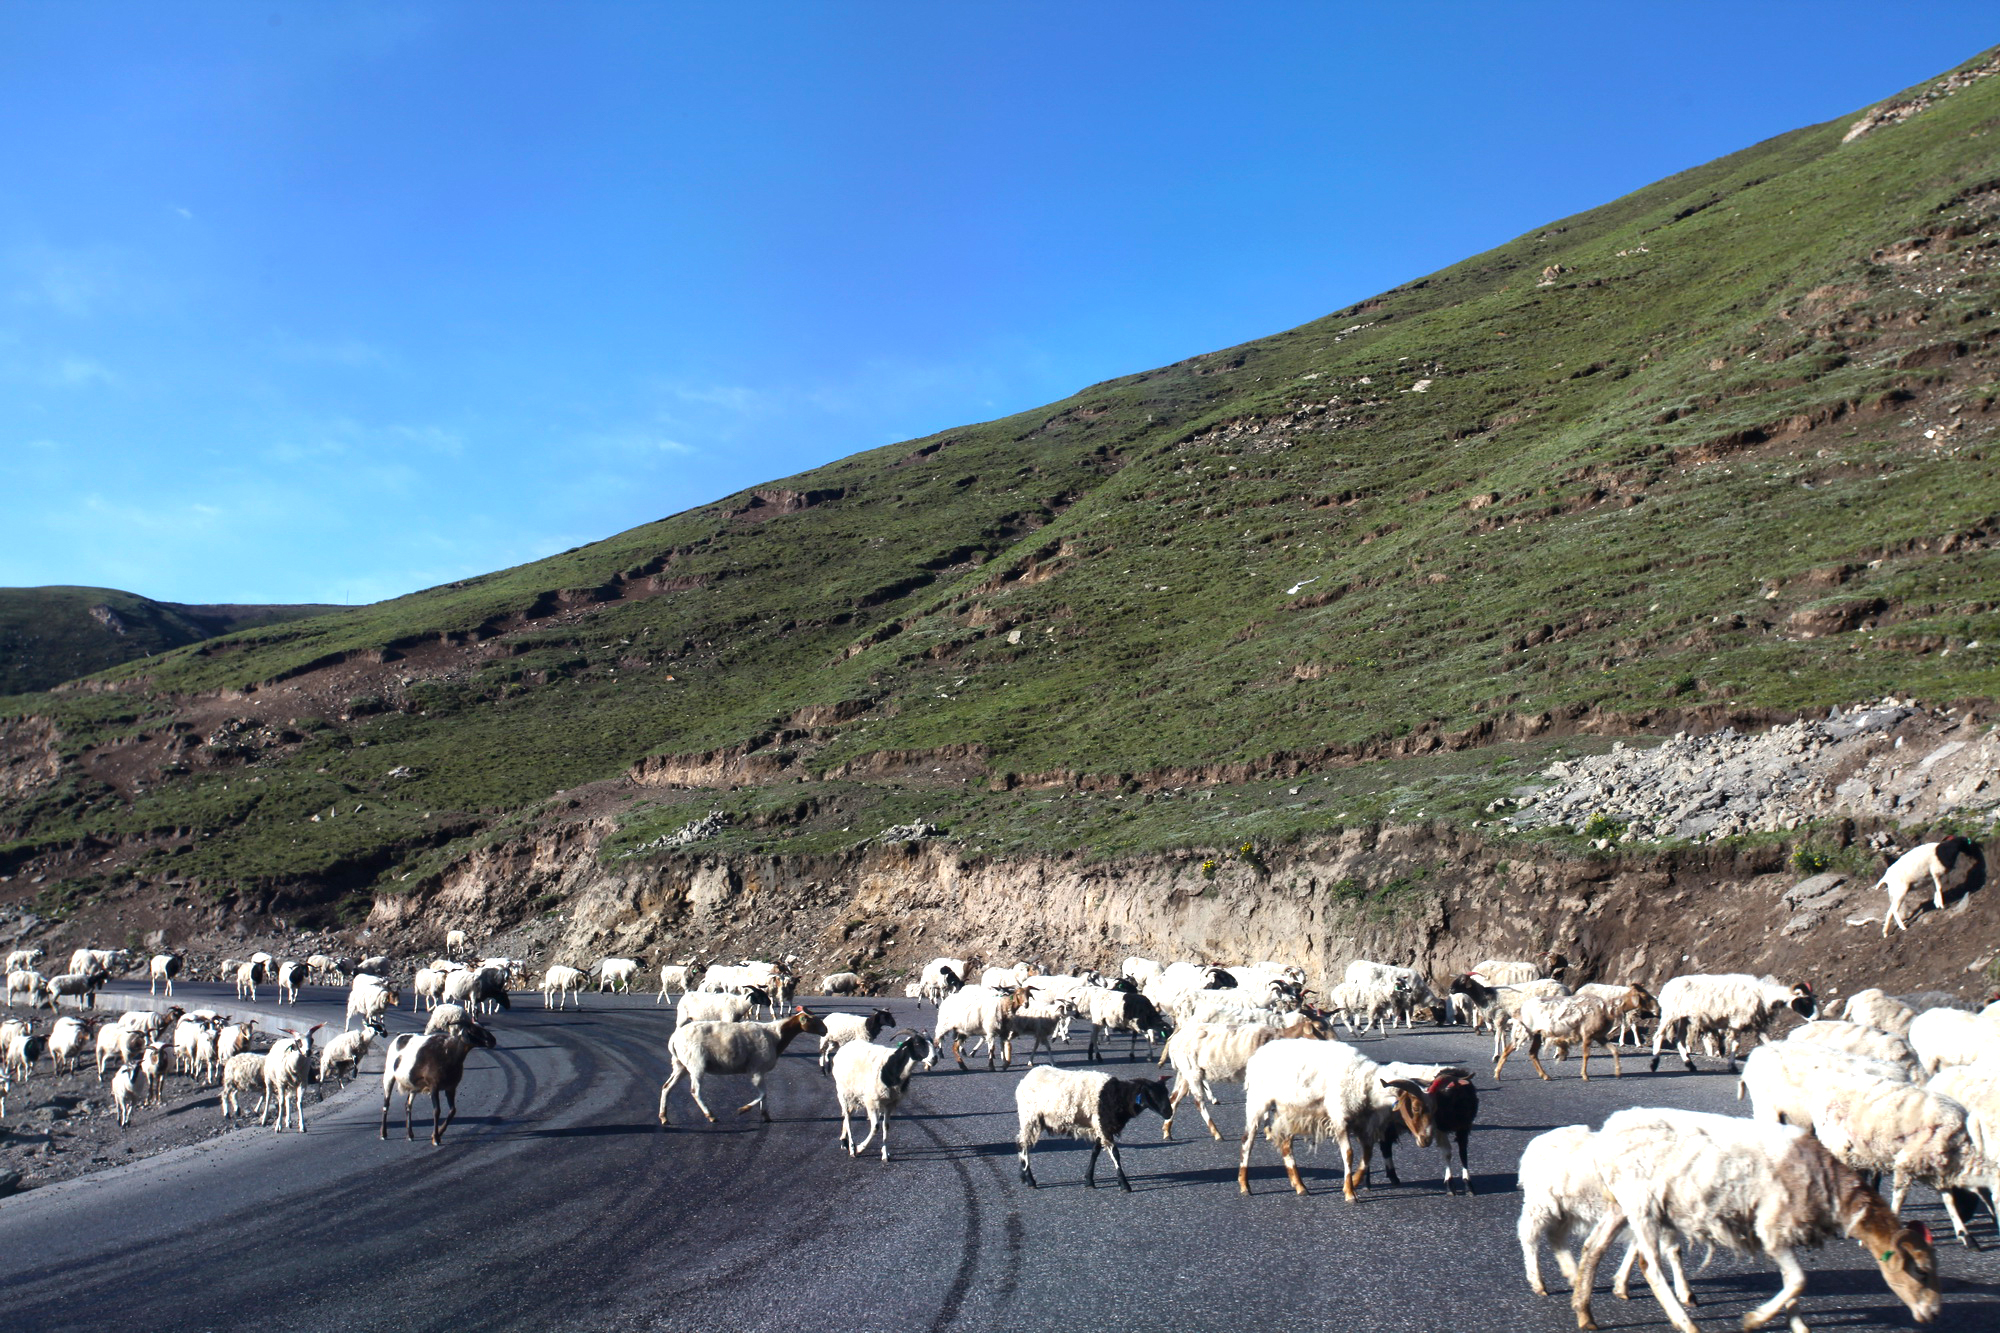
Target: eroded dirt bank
pixel 1434 896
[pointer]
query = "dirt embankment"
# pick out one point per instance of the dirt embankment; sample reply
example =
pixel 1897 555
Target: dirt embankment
pixel 1437 897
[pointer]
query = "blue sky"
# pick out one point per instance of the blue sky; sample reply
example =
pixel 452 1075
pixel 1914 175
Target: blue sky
pixel 333 302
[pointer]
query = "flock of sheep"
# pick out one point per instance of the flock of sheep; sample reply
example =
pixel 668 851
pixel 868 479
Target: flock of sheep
pixel 1907 1089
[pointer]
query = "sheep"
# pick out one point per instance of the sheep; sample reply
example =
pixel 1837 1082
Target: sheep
pixel 698 1050
pixel 615 974
pixel 1977 1089
pixel 1498 1005
pixel 290 976
pixel 378 964
pixel 942 976
pixel 1204 1054
pixel 1877 1010
pixel 1007 978
pixel 1934 859
pixel 445 1016
pixel 1041 1022
pixel 844 1028
pixel 162 970
pixel 697 1007
pixel 977 1011
pixel 343 1055
pixel 241 1073
pixel 481 991
pixel 1562 1199
pixel 1415 988
pixel 226 969
pixel 98 960
pixel 324 966
pixel 66 1040
pixel 288 1067
pixel 736 977
pixel 198 1057
pixel 82 986
pixel 369 998
pixel 1372 1003
pixel 562 984
pixel 427 987
pixel 231 1040
pixel 1223 1006
pixel 840 983
pixel 1628 1004
pixel 1734 1005
pixel 432 1063
pixel 248 975
pixel 1855 1039
pixel 1498 973
pixel 151 1021
pixel 1453 1103
pixel 872 1080
pixel 120 1043
pixel 1944 1037
pixel 1744 1186
pixel 25 981
pixel 673 977
pixel 454 941
pixel 21 1049
pixel 128 1090
pixel 1563 1020
pixel 1325 1089
pixel 1779 1078
pixel 1083 1104
pixel 1108 1010
pixel 20 959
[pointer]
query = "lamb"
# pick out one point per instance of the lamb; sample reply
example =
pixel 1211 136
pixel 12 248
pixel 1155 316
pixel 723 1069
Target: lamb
pixel 1041 1022
pixel 1108 1010
pixel 699 1007
pixel 1856 1040
pixel 978 1011
pixel 1748 1187
pixel 118 1042
pixel 872 1080
pixel 1083 1104
pixel 673 977
pixel 699 1050
pixel 840 983
pixel 162 970
pixel 616 973
pixel 446 1016
pixel 19 959
pixel 241 1073
pixel 343 1055
pixel 562 984
pixel 1563 1020
pixel 1733 1005
pixel 1204 1054
pixel 844 1028
pixel 433 1063
pixel 287 1069
pixel 1945 1037
pixel 290 977
pixel 1934 859
pixel 1562 1198
pixel 1325 1089
pixel 1877 1010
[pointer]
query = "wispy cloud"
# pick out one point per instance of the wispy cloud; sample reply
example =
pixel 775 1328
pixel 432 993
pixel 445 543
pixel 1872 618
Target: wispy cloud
pixel 80 372
pixel 73 282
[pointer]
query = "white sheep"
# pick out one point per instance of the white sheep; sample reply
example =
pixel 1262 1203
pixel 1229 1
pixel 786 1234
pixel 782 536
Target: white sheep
pixel 1507 973
pixel 447 1015
pixel 1363 1004
pixel 1563 1020
pixel 844 1028
pixel 1932 859
pixel 1041 1022
pixel 977 1011
pixel 79 986
pixel 1082 1104
pixel 28 985
pixel 161 970
pixel 128 1089
pixel 673 978
pixel 20 959
pixel 840 983
pixel 241 1073
pixel 1876 1009
pixel 1325 1089
pixel 1734 1006
pixel 1205 1054
pixel 1744 1186
pixel 1413 991
pixel 369 999
pixel 118 1042
pixel 698 1007
pixel 341 1059
pixel 561 984
pixel 454 941
pixel 615 974
pixel 1856 1039
pixel 1007 978
pixel 1139 971
pixel 480 990
pixel 1779 1078
pixel 1945 1037
pixel 66 1039
pixel 1562 1199
pixel 700 1050
pixel 287 1069
pixel 872 1080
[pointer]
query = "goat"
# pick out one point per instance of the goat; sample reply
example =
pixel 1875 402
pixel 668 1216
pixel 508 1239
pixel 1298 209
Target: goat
pixel 561 984
pixel 433 1063
pixel 1934 859
pixel 162 969
pixel 673 977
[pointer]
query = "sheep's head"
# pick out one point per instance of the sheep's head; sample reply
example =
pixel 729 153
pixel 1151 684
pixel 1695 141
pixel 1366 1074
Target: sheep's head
pixel 1414 1107
pixel 1909 1266
pixel 878 1022
pixel 1151 1095
pixel 808 1022
pixel 1803 1001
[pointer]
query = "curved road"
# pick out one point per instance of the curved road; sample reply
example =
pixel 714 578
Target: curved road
pixel 558 1202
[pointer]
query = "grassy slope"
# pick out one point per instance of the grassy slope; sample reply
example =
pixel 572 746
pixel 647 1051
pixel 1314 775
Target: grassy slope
pixel 48 635
pixel 1160 536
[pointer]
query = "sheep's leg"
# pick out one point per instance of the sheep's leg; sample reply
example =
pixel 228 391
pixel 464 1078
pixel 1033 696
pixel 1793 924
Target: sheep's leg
pixel 1292 1165
pixel 957 1040
pixel 1788 1295
pixel 1464 1163
pixel 1112 1147
pixel 1583 1272
pixel 757 1082
pixel 1535 1057
pixel 1529 1232
pixel 1355 1161
pixel 1899 1188
pixel 1950 1197
pixel 1090 1170
pixel 409 1130
pixel 1252 1117
pixel 1030 1134
pixel 1203 1097
pixel 1937 897
pixel 694 1091
pixel 1617 1066
pixel 1500 1059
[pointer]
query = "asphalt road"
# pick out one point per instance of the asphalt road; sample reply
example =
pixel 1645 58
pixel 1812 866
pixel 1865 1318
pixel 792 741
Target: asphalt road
pixel 558 1202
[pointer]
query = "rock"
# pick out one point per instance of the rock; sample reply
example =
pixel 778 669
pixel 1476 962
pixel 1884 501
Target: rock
pixel 10 1181
pixel 1807 891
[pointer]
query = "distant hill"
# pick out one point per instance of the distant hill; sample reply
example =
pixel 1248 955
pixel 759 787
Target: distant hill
pixel 1722 449
pixel 50 635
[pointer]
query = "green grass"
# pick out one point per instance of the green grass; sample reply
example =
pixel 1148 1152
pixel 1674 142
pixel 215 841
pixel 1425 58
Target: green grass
pixel 1102 586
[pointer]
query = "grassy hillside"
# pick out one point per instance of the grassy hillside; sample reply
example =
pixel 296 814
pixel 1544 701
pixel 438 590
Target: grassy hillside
pixel 50 635
pixel 1723 442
